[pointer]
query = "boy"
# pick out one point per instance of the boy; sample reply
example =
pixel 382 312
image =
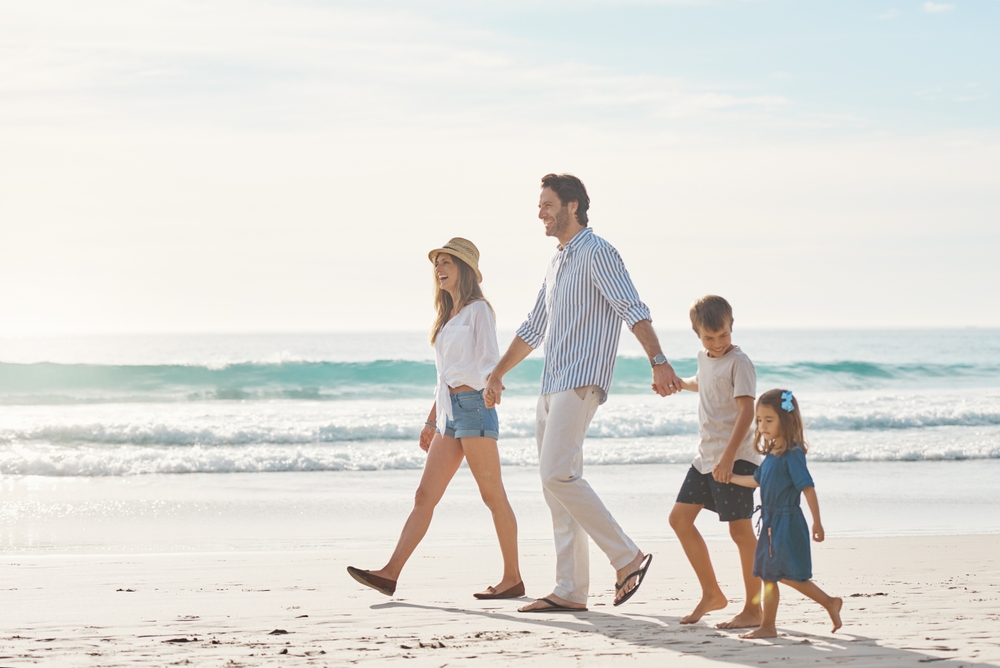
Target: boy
pixel 726 384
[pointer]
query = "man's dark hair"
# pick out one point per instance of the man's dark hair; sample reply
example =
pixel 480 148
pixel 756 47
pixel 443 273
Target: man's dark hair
pixel 569 189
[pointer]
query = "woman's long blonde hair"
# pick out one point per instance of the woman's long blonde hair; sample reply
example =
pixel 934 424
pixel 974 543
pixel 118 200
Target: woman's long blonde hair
pixel 792 432
pixel 468 292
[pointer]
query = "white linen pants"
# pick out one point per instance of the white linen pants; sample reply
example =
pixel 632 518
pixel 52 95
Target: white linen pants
pixel 562 421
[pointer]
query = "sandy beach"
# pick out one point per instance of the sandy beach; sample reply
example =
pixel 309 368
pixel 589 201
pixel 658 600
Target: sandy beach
pixel 907 601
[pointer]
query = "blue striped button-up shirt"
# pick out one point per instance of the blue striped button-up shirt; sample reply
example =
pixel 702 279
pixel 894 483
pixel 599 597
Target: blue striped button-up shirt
pixel 586 294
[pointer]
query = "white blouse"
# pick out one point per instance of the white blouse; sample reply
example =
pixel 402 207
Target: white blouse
pixel 467 351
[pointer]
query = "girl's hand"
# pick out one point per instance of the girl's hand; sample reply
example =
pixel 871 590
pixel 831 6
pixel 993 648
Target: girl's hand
pixel 426 435
pixel 818 534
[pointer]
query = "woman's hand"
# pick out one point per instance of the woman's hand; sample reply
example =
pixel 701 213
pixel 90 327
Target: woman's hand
pixel 493 390
pixel 426 436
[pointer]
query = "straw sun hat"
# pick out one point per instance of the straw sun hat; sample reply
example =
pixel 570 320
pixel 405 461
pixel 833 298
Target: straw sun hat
pixel 464 250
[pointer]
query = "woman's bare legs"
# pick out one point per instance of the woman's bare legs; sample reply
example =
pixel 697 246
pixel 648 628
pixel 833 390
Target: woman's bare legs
pixel 443 459
pixel 484 462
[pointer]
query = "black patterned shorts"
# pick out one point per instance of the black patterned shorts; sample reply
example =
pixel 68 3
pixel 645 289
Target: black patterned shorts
pixel 731 502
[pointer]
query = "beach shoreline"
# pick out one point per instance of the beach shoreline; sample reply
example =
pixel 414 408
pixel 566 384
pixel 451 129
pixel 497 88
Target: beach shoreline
pixel 326 510
pixel 181 511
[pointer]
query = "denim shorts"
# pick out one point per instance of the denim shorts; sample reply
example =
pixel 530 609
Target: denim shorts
pixel 472 417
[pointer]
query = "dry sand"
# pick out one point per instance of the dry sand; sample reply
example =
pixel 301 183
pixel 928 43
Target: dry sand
pixel 908 601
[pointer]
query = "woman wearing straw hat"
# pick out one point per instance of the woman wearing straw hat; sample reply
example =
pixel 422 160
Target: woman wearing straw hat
pixel 459 424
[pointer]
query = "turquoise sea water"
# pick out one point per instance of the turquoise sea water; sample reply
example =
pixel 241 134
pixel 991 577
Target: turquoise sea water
pixel 177 443
pixel 122 406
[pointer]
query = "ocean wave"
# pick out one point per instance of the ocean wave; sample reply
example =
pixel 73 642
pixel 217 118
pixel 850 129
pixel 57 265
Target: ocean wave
pixel 49 383
pixel 613 422
pixel 92 461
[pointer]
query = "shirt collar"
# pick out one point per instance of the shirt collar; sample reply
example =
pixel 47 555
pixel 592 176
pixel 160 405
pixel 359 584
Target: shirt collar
pixel 576 240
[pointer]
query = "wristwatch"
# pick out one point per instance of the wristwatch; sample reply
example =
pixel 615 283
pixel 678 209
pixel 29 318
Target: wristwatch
pixel 659 359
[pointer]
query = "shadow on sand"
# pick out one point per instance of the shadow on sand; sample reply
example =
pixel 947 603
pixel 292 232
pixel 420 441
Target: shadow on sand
pixel 649 632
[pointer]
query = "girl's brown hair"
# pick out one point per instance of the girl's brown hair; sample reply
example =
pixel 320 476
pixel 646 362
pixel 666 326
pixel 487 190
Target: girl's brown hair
pixel 792 432
pixel 468 292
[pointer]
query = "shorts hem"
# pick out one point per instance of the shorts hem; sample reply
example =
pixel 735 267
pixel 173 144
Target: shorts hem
pixel 468 433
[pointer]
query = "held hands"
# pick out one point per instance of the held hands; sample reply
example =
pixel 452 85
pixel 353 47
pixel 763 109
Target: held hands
pixel 426 436
pixel 494 388
pixel 723 471
pixel 665 381
pixel 818 533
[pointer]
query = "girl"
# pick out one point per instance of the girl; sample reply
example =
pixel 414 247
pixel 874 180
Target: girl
pixel 459 425
pixel 783 544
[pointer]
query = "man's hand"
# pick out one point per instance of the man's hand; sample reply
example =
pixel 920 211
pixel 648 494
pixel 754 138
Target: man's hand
pixel 665 381
pixel 494 388
pixel 818 534
pixel 723 471
pixel 426 436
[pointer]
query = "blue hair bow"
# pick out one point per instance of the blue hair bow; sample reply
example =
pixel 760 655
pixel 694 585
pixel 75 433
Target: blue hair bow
pixel 786 401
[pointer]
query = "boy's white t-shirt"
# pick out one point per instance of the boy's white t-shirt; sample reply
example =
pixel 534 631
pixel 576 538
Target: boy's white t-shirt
pixel 720 381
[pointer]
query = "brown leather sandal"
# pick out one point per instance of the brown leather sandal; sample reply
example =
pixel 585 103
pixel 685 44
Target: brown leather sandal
pixel 517 591
pixel 380 584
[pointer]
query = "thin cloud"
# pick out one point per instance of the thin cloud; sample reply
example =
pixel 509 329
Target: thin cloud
pixel 891 14
pixel 937 8
pixel 304 67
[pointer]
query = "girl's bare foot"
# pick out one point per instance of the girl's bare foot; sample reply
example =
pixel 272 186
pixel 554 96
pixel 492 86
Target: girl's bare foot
pixel 761 632
pixel 709 602
pixel 835 605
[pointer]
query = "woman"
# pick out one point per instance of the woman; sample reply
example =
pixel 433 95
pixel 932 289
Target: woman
pixel 459 424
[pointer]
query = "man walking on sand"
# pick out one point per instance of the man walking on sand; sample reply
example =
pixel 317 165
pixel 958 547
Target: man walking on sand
pixel 586 294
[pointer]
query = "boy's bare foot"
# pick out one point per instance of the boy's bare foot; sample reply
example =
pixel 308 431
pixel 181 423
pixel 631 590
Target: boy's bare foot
pixel 747 619
pixel 761 632
pixel 540 604
pixel 708 603
pixel 835 605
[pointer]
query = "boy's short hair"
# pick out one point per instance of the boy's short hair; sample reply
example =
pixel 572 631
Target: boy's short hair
pixel 711 313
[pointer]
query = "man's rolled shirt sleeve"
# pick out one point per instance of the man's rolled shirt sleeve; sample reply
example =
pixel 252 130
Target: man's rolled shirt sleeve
pixel 612 279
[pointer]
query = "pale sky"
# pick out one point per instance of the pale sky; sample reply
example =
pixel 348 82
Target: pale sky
pixel 251 166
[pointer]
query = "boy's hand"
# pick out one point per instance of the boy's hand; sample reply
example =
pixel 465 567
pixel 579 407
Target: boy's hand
pixel 818 534
pixel 723 471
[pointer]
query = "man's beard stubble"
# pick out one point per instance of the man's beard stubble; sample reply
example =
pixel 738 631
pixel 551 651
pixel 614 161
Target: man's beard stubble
pixel 562 222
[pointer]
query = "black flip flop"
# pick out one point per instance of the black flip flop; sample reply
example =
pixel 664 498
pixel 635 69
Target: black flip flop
pixel 555 607
pixel 643 567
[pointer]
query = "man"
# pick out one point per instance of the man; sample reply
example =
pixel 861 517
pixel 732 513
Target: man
pixel 586 293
